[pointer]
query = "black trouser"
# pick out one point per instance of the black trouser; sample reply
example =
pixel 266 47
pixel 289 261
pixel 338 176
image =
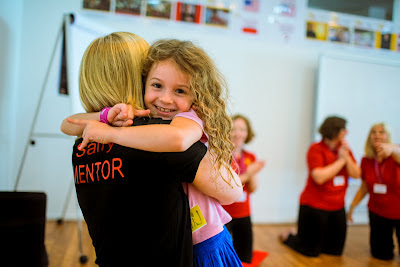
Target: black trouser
pixel 319 231
pixel 242 235
pixel 381 236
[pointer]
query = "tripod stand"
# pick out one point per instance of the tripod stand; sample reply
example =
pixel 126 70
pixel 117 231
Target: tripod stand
pixel 63 34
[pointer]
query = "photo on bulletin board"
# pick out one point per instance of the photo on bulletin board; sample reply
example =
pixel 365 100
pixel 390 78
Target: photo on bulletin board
pixel 286 8
pixel 316 30
pixel 159 9
pixel 339 34
pixel 188 12
pixel 384 40
pixel 250 26
pixel 128 6
pixel 217 16
pixel 103 5
pixel 364 38
pixel 398 42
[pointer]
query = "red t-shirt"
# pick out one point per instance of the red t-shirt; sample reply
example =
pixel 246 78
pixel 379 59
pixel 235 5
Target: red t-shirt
pixel 387 173
pixel 241 208
pixel 329 195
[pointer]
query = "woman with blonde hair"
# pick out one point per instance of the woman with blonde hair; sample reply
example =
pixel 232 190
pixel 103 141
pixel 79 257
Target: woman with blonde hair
pixel 183 84
pixel 133 200
pixel 380 173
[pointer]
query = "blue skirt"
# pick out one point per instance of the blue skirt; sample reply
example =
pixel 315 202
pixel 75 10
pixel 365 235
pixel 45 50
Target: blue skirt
pixel 216 251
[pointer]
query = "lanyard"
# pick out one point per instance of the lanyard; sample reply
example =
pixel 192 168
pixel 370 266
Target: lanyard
pixel 379 175
pixel 240 161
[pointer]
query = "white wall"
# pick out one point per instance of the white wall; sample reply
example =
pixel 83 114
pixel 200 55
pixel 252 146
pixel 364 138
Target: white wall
pixel 278 97
pixel 29 29
pixel 10 31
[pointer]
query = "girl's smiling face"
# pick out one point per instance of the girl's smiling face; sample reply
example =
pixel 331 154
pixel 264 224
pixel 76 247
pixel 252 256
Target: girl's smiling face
pixel 167 90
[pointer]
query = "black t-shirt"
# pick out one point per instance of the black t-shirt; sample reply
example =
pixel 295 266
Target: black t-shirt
pixel 134 204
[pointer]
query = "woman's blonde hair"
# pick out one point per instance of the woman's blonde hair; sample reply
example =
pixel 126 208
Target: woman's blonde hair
pixel 369 149
pixel 208 88
pixel 110 71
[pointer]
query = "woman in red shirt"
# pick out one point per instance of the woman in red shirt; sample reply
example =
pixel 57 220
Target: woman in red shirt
pixel 380 168
pixel 322 220
pixel 246 165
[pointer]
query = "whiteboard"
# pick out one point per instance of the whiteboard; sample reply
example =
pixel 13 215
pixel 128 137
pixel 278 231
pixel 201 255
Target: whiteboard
pixel 363 92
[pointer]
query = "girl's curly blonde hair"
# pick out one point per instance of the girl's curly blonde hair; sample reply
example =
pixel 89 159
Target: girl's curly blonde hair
pixel 209 90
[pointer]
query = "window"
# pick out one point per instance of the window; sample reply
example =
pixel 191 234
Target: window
pixel 379 9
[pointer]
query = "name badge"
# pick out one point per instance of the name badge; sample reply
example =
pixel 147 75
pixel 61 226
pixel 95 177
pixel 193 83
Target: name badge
pixel 380 189
pixel 197 218
pixel 339 181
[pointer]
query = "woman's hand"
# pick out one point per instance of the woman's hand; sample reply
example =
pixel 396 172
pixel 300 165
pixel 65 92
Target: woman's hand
pixel 94 131
pixel 349 215
pixel 384 150
pixel 344 150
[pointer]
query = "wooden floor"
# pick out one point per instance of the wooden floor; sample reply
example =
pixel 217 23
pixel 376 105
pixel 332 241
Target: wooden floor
pixel 63 248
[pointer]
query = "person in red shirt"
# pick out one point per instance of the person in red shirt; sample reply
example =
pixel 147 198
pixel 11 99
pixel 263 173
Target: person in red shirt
pixel 247 166
pixel 321 226
pixel 380 173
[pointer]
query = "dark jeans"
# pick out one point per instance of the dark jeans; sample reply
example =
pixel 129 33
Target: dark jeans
pixel 242 235
pixel 381 236
pixel 319 231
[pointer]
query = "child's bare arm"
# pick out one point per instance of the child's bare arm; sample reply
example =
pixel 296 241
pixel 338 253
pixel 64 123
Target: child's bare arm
pixel 76 129
pixel 119 115
pixel 213 182
pixel 175 137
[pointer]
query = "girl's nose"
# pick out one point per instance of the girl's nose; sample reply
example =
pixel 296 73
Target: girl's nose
pixel 166 98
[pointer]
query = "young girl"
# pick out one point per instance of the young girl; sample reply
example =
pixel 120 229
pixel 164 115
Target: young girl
pixel 247 166
pixel 180 76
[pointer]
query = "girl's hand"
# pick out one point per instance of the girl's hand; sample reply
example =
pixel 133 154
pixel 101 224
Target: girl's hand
pixel 94 131
pixel 122 115
pixel 255 167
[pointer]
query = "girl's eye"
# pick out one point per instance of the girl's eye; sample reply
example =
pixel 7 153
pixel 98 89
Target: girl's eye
pixel 180 91
pixel 156 85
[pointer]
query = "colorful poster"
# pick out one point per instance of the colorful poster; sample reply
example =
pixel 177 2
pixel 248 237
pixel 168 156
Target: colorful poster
pixel 128 6
pixel 364 38
pixel 385 40
pixel 316 30
pixel 159 9
pixel 286 8
pixel 217 16
pixel 97 4
pixel 338 34
pixel 398 42
pixel 188 12
pixel 250 26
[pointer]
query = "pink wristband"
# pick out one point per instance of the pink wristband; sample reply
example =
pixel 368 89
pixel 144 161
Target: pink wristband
pixel 103 115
